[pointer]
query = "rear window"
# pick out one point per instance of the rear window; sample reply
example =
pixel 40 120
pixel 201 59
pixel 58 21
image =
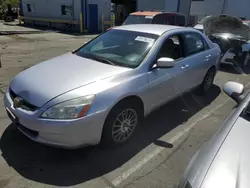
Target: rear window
pixel 170 19
pixel 180 20
pixel 134 19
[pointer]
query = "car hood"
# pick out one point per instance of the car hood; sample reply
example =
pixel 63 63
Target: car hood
pixel 225 24
pixel 49 79
pixel 198 26
pixel 231 166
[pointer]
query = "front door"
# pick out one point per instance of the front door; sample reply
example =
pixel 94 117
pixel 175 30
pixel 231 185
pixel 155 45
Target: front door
pixel 165 84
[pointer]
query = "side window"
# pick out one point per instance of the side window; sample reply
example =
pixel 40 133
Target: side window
pixel 171 48
pixel 29 8
pixel 194 43
pixel 66 10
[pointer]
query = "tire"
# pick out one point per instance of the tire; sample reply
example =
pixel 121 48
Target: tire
pixel 115 128
pixel 207 82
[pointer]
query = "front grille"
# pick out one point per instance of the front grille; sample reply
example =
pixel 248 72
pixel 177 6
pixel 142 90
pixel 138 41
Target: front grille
pixel 27 131
pixel 25 104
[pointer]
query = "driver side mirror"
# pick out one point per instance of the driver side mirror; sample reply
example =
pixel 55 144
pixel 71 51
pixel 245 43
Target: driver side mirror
pixel 234 90
pixel 165 62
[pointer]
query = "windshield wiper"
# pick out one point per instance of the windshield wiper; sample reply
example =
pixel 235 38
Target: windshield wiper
pixel 100 59
pixel 106 61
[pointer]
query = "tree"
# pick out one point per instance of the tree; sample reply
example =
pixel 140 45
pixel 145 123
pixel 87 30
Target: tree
pixel 13 3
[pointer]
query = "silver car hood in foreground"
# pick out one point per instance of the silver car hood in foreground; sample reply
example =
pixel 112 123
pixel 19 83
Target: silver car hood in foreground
pixel 231 166
pixel 49 79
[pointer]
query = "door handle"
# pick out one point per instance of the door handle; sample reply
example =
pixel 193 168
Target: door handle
pixel 207 57
pixel 184 66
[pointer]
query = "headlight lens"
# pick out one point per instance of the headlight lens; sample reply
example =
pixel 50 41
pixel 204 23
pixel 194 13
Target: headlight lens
pixel 71 109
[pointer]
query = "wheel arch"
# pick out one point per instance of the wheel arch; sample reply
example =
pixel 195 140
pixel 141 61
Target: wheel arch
pixel 130 98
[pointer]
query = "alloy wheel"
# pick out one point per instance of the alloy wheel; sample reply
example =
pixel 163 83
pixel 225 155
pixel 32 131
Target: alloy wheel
pixel 124 125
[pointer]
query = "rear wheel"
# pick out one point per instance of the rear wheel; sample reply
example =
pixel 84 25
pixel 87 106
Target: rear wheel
pixel 121 124
pixel 207 81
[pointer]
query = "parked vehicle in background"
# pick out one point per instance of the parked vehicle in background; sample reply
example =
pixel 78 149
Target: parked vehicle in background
pixel 246 22
pixel 231 35
pixel 224 160
pixel 148 17
pixel 155 17
pixel 199 25
pixel 102 91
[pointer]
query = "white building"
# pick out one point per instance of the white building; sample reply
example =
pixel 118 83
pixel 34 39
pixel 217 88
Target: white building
pixel 63 13
pixel 59 12
pixel 201 8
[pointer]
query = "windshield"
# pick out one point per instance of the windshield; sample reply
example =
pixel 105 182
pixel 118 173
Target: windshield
pixel 119 47
pixel 133 19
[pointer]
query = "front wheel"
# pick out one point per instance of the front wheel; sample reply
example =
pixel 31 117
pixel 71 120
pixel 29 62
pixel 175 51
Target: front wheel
pixel 121 124
pixel 207 81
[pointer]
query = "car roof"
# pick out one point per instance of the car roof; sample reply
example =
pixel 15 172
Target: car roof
pixel 152 28
pixel 152 13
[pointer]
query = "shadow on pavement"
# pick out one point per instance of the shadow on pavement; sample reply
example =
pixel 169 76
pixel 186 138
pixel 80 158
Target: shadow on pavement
pixel 228 68
pixel 70 167
pixel 246 69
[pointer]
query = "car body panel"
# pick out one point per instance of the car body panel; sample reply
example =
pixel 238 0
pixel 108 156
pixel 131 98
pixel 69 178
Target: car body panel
pixel 231 167
pixel 206 169
pixel 110 84
pixel 156 29
pixel 199 27
pixel 225 24
pixel 59 75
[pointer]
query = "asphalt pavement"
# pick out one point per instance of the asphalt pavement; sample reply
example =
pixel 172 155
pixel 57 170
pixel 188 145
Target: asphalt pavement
pixel 155 157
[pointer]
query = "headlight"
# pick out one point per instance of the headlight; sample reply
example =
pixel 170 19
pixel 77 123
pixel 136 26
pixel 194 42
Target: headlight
pixel 71 109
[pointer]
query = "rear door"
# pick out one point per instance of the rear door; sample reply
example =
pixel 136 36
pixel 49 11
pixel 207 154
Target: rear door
pixel 198 57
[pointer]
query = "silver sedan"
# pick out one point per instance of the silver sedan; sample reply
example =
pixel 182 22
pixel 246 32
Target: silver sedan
pixel 224 160
pixel 102 91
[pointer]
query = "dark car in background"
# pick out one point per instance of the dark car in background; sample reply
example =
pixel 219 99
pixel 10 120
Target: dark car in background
pixel 157 17
pixel 231 34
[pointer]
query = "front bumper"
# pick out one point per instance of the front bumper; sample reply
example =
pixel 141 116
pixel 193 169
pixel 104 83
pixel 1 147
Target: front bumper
pixel 58 133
